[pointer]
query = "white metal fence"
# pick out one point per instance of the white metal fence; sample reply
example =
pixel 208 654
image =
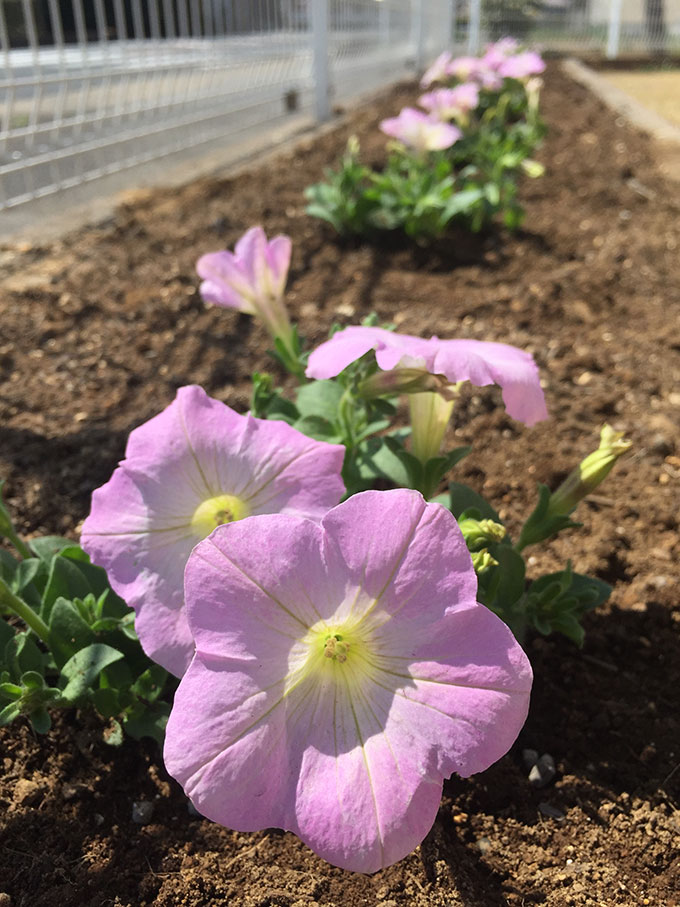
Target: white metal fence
pixel 90 87
pixel 94 86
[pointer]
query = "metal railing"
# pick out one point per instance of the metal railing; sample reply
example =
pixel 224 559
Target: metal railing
pixel 91 87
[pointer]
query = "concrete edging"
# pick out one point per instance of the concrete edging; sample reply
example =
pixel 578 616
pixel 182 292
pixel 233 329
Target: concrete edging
pixel 635 112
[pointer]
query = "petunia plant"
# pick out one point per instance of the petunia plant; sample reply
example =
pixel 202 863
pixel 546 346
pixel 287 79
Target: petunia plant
pixel 340 623
pixel 457 162
pixel 67 640
pixel 355 380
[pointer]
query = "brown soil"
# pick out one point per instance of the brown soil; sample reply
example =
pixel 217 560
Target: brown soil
pixel 99 330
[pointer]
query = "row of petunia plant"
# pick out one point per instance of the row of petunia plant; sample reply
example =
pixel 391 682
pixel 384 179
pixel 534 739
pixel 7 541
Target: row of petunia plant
pixel 335 651
pixel 455 161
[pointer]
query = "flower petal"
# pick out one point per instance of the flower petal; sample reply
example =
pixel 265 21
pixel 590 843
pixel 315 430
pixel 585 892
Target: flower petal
pixel 253 588
pixel 225 281
pixel 485 363
pixel 346 346
pixel 278 259
pixel 397 554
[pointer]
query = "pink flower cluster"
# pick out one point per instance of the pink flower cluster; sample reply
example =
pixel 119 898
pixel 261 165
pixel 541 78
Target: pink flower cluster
pixel 502 60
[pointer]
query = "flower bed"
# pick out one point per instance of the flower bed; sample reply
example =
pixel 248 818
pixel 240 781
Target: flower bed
pixel 590 288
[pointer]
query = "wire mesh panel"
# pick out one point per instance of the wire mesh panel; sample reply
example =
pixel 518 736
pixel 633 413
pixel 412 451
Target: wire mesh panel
pixel 370 43
pixel 89 88
pixel 611 26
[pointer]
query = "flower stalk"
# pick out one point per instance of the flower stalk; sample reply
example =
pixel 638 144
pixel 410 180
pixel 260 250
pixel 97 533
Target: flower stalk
pixel 19 607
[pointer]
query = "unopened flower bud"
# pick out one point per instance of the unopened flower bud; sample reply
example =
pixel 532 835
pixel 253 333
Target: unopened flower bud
pixel 589 473
pixel 406 381
pixel 353 146
pixel 478 533
pixel 482 560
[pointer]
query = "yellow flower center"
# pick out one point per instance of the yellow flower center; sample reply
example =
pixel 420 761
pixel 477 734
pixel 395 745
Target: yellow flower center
pixel 336 647
pixel 224 508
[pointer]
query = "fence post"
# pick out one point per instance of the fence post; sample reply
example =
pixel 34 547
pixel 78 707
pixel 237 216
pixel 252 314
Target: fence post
pixel 320 62
pixel 418 32
pixel 474 27
pixel 614 30
pixel 447 24
pixel 384 22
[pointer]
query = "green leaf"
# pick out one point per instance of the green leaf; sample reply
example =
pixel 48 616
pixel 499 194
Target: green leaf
pixel 25 573
pixel 412 465
pixel 7 632
pixel 107 702
pixel 68 631
pixel 512 571
pixel 22 654
pixel 65 580
pixel 10 690
pixel 9 713
pixel 463 498
pixel 49 545
pixel 8 565
pixel 318 428
pixel 589 591
pixel 113 735
pixel 149 685
pixel 84 667
pixel 460 202
pixel 437 467
pixel 320 398
pixel 32 680
pixel 147 721
pixel 40 720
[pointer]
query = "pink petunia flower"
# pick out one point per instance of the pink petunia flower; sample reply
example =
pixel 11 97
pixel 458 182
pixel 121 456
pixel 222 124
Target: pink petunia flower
pixel 477 361
pixel 496 53
pixel 251 279
pixel 451 103
pixel 195 466
pixel 437 71
pixel 419 131
pixel 521 66
pixel 401 356
pixel 342 671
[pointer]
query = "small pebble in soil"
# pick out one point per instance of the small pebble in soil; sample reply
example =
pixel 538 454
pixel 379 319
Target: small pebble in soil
pixel 529 758
pixel 142 811
pixel 543 771
pixel 98 819
pixel 550 811
pixel 661 445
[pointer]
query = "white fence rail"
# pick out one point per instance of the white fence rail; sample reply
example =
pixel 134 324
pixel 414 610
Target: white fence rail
pixel 91 87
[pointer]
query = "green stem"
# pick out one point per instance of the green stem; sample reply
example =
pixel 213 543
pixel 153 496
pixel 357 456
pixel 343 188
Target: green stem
pixel 19 607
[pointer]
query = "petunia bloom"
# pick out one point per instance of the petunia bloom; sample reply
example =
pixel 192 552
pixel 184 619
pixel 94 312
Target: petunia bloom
pixel 419 131
pixel 475 69
pixel 451 103
pixel 521 66
pixel 495 54
pixel 477 361
pixel 342 671
pixel 196 465
pixel 437 71
pixel 251 279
